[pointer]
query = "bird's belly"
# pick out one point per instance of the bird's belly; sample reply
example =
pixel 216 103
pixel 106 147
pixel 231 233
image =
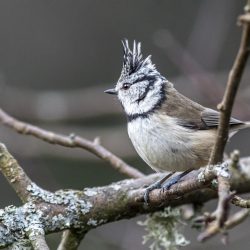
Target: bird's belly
pixel 163 147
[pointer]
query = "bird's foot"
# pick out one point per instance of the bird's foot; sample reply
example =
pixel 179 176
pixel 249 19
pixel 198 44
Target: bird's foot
pixel 164 186
pixel 174 180
pixel 156 185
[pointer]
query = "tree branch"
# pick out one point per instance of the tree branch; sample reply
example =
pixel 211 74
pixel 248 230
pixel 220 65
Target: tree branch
pixel 15 175
pixel 71 141
pixel 225 108
pixel 84 210
pixel 19 181
pixel 233 82
pixel 47 212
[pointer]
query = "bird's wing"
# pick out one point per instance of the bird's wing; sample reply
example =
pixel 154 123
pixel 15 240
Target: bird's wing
pixel 190 114
pixel 211 117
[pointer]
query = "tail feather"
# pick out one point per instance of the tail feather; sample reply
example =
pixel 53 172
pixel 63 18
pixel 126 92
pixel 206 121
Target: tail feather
pixel 234 129
pixel 246 125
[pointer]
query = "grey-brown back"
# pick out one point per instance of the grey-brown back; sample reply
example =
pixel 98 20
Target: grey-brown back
pixel 191 114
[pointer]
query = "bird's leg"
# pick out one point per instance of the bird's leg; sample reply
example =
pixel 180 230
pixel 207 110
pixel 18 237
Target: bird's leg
pixel 165 186
pixel 174 180
pixel 156 185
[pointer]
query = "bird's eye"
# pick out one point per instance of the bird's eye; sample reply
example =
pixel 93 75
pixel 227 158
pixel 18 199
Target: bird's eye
pixel 126 86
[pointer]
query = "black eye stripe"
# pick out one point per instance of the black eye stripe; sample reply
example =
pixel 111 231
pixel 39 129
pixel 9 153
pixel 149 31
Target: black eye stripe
pixel 146 90
pixel 150 79
pixel 145 78
pixel 140 79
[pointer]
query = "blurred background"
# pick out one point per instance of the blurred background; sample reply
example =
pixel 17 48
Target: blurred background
pixel 58 56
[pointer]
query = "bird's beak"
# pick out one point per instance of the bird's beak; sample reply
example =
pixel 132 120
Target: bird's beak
pixel 111 91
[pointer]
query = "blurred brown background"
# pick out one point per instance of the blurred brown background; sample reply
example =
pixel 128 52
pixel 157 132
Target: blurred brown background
pixel 57 57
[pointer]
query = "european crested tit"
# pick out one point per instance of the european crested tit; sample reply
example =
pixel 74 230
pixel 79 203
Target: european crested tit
pixel 169 131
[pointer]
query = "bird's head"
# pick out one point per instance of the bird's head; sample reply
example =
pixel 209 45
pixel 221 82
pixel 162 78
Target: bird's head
pixel 140 87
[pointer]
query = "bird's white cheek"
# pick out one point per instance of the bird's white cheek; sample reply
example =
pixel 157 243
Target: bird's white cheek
pixel 128 103
pixel 131 106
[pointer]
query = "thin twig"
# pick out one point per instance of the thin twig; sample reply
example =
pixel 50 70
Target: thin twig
pixel 70 240
pixel 236 200
pixel 235 156
pixel 71 141
pixel 225 108
pixel 233 221
pixel 38 242
pixel 240 202
pixel 225 197
pixel 233 82
pixel 221 213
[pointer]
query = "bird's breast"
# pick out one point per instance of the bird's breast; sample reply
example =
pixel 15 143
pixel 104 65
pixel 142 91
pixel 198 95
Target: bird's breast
pixel 164 145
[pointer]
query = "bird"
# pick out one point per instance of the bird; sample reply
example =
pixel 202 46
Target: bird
pixel 169 131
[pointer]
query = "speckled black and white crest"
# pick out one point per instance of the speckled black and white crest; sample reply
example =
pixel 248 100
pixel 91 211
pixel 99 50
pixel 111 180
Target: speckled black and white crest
pixel 133 60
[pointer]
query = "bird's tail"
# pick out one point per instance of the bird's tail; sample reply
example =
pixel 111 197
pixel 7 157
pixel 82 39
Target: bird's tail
pixel 236 129
pixel 246 124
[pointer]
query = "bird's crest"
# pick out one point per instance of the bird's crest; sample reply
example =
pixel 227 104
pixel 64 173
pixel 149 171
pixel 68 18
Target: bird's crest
pixel 133 60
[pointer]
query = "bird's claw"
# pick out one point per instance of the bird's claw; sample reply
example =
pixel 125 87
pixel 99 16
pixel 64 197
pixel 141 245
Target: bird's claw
pixel 164 186
pixel 152 187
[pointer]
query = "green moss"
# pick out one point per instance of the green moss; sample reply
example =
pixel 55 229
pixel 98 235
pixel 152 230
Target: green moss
pixel 162 229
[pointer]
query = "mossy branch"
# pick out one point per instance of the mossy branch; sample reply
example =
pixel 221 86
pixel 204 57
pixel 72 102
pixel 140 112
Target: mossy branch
pixel 48 212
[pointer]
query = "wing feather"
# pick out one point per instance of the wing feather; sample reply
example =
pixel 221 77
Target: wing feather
pixel 190 114
pixel 211 118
